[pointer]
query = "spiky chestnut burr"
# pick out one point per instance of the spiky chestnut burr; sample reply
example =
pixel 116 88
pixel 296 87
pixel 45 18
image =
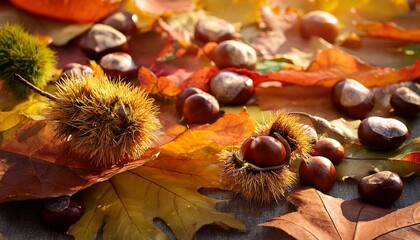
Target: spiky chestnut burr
pixel 266 184
pixel 105 121
pixel 26 55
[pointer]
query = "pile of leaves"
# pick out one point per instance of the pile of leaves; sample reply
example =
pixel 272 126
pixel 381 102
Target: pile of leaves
pixel 164 183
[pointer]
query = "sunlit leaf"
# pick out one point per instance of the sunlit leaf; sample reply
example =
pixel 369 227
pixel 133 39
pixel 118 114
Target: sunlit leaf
pixel 320 216
pixel 245 11
pixel 154 85
pixel 166 188
pixel 390 30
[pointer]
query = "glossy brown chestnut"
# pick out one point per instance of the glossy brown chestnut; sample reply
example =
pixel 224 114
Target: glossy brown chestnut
pixel 263 151
pixel 405 102
pixel 235 54
pixel 200 108
pixel 381 188
pixel 319 23
pixel 102 39
pixel 184 95
pixel 59 213
pixel 123 21
pixel 118 65
pixel 231 88
pixel 76 69
pixel 213 29
pixel 318 172
pixel 329 148
pixel 378 133
pixel 352 98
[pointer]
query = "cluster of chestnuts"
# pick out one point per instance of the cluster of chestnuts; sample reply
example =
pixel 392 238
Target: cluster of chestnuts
pixel 107 42
pixel 356 101
pixel 226 87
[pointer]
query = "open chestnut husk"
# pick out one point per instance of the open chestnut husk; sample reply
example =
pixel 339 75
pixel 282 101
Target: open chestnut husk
pixel 259 171
pixel 382 188
pixel 378 133
pixel 352 98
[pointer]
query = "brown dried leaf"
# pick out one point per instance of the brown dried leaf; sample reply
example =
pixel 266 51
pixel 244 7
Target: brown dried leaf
pixel 320 216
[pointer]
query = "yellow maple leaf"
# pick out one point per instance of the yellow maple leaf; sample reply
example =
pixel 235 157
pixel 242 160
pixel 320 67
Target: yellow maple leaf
pixel 166 188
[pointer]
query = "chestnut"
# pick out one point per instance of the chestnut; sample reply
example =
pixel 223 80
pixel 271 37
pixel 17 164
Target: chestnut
pixel 319 23
pixel 200 108
pixel 76 69
pixel 213 29
pixel 235 54
pixel 318 172
pixel 378 133
pixel 381 188
pixel 310 132
pixel 59 213
pixel 123 21
pixel 184 95
pixel 263 151
pixel 405 102
pixel 329 148
pixel 231 88
pixel 352 98
pixel 102 39
pixel 118 65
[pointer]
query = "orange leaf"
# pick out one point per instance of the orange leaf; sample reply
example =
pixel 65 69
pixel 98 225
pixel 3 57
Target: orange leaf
pixel 200 78
pixel 321 216
pixel 332 65
pixel 390 30
pixel 154 85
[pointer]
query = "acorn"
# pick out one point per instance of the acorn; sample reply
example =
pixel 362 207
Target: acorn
pixel 260 170
pixel 26 55
pixel 106 122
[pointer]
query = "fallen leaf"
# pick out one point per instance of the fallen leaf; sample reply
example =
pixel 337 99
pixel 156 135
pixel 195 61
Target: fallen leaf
pixel 360 162
pixel 34 164
pixel 60 32
pixel 320 216
pixel 332 65
pixel 390 30
pixel 161 86
pixel 166 188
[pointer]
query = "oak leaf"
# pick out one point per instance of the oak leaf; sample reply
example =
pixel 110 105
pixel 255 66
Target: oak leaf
pixel 320 216
pixel 166 188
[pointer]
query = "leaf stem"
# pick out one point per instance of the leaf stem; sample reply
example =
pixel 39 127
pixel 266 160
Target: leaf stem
pixel 35 88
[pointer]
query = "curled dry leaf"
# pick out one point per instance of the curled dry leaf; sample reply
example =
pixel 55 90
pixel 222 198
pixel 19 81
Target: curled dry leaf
pixel 166 188
pixel 320 216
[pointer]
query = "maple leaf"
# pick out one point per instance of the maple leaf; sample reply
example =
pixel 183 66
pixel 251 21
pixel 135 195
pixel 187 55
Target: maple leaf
pixel 166 187
pixel 320 216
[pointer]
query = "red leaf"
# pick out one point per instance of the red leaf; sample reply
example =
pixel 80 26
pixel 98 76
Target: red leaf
pixel 390 30
pixel 200 78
